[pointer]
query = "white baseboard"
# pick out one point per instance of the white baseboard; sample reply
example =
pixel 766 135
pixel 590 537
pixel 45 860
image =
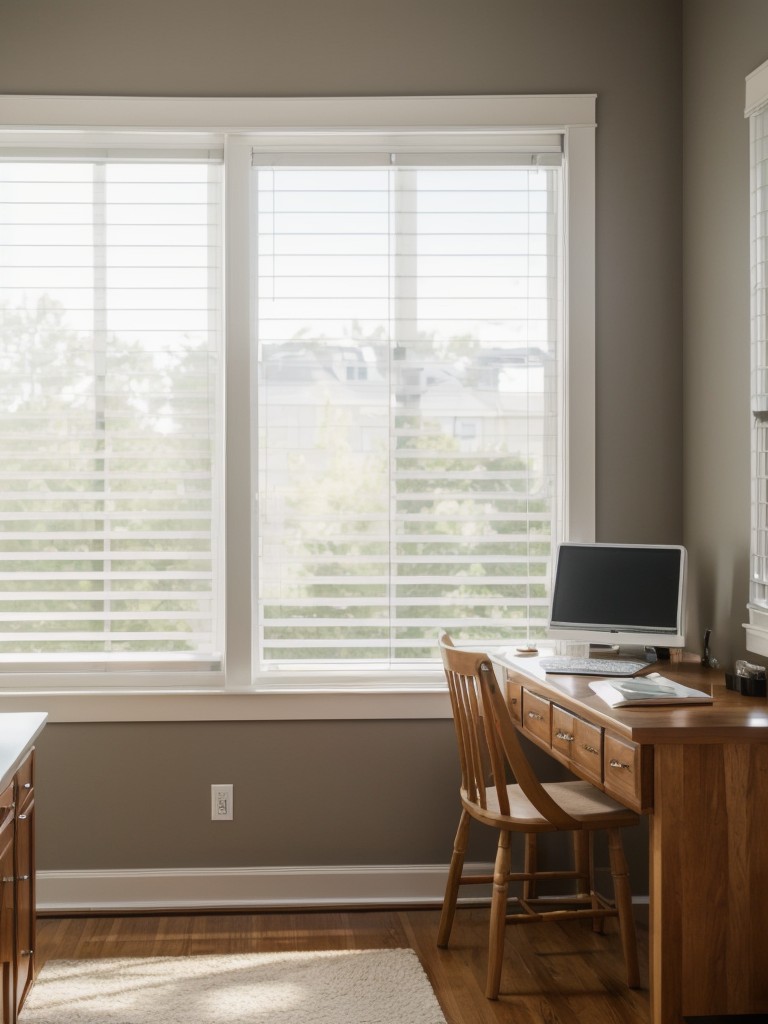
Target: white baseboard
pixel 230 888
pixel 373 885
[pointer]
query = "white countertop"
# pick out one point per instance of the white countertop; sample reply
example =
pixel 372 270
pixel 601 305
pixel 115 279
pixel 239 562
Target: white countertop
pixel 18 731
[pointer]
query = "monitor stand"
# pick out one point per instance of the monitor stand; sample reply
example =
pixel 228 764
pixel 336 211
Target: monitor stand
pixel 632 652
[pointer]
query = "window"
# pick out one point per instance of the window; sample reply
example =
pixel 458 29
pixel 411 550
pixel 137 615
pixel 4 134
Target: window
pixel 282 399
pixel 110 354
pixel 757 111
pixel 409 341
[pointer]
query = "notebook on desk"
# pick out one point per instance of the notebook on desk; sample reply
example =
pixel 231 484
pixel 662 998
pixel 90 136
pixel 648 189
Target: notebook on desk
pixel 650 690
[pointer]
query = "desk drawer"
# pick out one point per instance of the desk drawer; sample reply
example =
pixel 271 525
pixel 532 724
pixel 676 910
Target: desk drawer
pixel 622 767
pixel 580 743
pixel 515 698
pixel 537 717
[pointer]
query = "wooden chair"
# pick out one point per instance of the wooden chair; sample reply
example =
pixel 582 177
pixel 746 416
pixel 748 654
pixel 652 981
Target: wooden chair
pixel 490 748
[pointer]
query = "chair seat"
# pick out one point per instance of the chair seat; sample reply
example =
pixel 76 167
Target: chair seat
pixel 588 805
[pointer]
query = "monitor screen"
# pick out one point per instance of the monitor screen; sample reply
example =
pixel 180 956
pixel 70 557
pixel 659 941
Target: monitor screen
pixel 620 593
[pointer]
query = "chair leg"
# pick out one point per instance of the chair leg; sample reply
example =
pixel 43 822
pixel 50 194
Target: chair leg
pixel 454 880
pixel 530 865
pixel 623 897
pixel 583 863
pixel 498 916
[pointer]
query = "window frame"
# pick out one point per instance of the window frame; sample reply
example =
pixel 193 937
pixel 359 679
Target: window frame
pixel 756 103
pixel 236 123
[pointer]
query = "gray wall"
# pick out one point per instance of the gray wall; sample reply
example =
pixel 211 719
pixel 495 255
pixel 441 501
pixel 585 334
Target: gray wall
pixel 630 54
pixel 722 44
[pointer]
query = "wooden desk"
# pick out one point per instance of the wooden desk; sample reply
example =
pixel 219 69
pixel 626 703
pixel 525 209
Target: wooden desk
pixel 701 773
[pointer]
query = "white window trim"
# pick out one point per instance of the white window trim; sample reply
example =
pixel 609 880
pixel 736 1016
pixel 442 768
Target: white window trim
pixel 756 98
pixel 235 123
pixel 756 90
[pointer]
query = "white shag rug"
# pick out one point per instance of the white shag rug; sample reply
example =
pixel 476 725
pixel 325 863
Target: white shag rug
pixel 378 986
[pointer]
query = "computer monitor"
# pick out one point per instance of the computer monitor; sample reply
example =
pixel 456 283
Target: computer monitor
pixel 632 594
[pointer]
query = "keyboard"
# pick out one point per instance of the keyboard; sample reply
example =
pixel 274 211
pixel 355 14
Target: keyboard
pixel 592 666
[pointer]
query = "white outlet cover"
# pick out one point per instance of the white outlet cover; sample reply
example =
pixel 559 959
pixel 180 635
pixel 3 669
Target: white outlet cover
pixel 221 802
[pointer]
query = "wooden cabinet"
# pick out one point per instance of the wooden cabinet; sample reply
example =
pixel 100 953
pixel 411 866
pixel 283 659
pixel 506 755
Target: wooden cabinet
pixel 17 858
pixel 17 889
pixel 24 878
pixel 7 901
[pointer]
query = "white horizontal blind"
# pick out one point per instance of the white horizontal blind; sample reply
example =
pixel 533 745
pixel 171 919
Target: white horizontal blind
pixel 759 384
pixel 109 375
pixel 409 344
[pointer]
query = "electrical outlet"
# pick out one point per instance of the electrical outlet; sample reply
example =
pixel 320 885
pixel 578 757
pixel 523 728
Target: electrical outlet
pixel 221 802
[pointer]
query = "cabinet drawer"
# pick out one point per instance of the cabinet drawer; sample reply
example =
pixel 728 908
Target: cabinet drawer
pixel 25 780
pixel 622 767
pixel 7 801
pixel 579 742
pixel 537 717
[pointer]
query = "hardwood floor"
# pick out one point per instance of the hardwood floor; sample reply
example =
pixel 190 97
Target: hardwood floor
pixel 554 973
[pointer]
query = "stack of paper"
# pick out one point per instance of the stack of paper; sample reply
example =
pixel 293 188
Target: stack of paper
pixel 651 689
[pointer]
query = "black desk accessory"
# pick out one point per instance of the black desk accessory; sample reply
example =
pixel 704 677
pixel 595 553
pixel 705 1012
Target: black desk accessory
pixel 747 679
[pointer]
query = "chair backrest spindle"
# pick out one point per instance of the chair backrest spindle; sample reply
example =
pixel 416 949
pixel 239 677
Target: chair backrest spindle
pixel 480 752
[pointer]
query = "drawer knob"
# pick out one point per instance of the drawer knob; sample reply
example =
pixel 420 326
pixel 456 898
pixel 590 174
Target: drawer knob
pixel 619 764
pixel 27 785
pixel 536 715
pixel 564 736
pixel 590 750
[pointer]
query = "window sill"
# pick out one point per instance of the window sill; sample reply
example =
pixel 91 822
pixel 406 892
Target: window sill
pixel 218 706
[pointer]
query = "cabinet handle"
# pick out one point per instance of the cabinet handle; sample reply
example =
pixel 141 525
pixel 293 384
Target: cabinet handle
pixel 27 785
pixel 564 736
pixel 27 952
pixel 8 878
pixel 536 715
pixel 23 878
pixel 619 764
pixel 21 817
pixel 590 750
